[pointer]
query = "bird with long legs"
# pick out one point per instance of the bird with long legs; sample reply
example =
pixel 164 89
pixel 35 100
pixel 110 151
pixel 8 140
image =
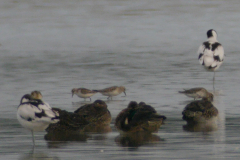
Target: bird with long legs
pixel 211 53
pixel 35 115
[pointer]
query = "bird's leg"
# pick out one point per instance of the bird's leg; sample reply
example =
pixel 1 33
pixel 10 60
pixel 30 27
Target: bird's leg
pixel 33 138
pixel 214 76
pixel 108 97
pixel 90 98
pixel 214 82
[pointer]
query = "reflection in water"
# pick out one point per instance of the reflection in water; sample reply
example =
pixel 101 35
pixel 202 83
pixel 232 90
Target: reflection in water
pixel 63 136
pixel 136 139
pixel 201 127
pixel 57 139
pixel 37 155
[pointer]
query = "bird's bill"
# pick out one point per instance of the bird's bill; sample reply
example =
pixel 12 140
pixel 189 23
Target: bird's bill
pixel 125 93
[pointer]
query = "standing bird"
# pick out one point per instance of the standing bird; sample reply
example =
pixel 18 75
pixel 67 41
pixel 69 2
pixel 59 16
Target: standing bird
pixel 211 53
pixel 35 115
pixel 198 93
pixel 112 91
pixel 83 93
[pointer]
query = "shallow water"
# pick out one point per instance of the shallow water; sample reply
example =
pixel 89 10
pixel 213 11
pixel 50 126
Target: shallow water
pixel 147 46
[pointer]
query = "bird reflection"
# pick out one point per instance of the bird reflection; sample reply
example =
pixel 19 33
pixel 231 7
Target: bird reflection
pixel 37 156
pixel 58 139
pixel 201 127
pixel 136 139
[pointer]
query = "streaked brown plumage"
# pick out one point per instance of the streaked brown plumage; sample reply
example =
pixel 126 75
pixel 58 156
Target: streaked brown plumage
pixel 199 111
pixel 198 92
pixel 96 112
pixel 85 119
pixel 36 94
pixel 83 93
pixel 139 118
pixel 112 91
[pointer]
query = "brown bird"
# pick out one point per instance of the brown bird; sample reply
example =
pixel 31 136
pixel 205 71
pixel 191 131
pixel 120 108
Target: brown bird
pixel 199 111
pixel 139 117
pixel 198 92
pixel 84 119
pixel 83 93
pixel 112 91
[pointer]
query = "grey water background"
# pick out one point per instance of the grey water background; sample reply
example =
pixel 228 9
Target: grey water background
pixel 147 46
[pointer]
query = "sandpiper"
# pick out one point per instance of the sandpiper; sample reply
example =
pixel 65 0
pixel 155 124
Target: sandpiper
pixel 83 93
pixel 211 52
pixel 112 91
pixel 35 115
pixel 198 92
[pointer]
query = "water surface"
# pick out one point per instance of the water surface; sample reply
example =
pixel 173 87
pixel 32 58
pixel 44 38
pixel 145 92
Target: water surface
pixel 147 46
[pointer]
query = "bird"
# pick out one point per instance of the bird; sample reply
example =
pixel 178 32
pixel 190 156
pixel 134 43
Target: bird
pixel 199 111
pixel 89 117
pixel 211 52
pixel 112 91
pixel 198 92
pixel 96 113
pixel 139 117
pixel 36 95
pixel 35 115
pixel 83 93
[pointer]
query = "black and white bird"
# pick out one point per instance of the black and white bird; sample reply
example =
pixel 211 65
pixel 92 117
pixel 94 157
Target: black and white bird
pixel 211 52
pixel 35 115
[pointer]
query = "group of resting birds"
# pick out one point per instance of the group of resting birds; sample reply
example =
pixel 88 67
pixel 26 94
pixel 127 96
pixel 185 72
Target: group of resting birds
pixel 36 115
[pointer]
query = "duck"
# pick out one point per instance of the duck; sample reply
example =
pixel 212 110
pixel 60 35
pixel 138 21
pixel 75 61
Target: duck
pixel 198 92
pixel 112 91
pixel 139 117
pixel 97 113
pixel 35 115
pixel 83 93
pixel 199 111
pixel 87 118
pixel 211 52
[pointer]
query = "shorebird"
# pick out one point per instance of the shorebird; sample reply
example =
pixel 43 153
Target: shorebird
pixel 35 115
pixel 112 91
pixel 83 93
pixel 211 53
pixel 139 117
pixel 198 93
pixel 199 111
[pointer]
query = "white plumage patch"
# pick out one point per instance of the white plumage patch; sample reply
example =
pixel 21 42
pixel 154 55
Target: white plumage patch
pixel 211 53
pixel 36 115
